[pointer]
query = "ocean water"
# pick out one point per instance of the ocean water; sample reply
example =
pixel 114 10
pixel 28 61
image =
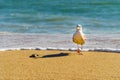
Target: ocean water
pixel 60 16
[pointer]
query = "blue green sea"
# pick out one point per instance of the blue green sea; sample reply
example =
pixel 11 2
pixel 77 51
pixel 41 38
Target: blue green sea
pixel 60 16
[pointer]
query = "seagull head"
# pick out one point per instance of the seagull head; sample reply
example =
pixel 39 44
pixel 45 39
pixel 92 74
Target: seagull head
pixel 79 27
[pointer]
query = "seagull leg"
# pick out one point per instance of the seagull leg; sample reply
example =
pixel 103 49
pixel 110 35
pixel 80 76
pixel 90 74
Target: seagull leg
pixel 79 51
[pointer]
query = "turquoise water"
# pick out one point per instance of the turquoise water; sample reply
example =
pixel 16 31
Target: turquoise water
pixel 60 16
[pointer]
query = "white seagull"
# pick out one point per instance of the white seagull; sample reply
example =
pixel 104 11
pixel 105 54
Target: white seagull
pixel 79 38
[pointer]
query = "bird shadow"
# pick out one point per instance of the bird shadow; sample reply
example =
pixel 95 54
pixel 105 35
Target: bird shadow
pixel 55 55
pixel 51 55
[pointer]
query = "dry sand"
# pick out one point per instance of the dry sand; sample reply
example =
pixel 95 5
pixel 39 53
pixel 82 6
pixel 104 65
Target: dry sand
pixel 52 65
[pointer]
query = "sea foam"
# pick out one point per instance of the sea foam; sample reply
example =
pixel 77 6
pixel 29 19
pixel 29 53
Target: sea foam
pixel 63 49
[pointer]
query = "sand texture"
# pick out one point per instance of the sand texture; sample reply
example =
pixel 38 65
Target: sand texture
pixel 59 65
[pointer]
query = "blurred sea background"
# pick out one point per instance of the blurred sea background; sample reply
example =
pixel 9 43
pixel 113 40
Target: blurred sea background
pixel 59 16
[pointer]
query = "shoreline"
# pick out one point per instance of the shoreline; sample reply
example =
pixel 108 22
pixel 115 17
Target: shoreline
pixel 62 49
pixel 96 42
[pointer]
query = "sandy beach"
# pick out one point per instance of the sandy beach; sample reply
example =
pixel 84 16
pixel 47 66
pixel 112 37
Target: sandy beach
pixel 59 65
pixel 57 58
pixel 38 40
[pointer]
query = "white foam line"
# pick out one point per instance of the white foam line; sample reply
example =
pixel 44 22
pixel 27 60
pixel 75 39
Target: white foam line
pixel 107 50
pixel 69 49
pixel 51 48
pixel 6 49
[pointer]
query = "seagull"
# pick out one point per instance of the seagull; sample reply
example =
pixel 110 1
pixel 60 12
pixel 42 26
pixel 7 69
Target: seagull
pixel 79 38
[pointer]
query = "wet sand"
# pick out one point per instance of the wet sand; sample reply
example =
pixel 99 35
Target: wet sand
pixel 58 41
